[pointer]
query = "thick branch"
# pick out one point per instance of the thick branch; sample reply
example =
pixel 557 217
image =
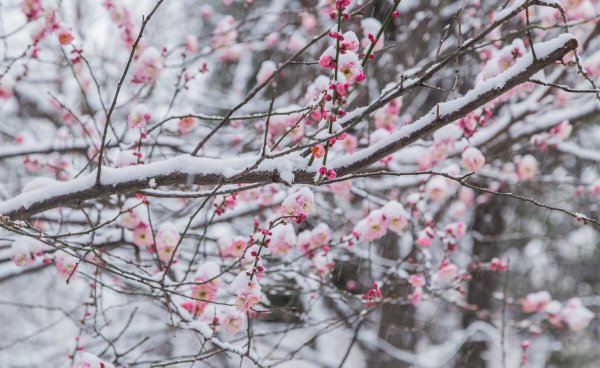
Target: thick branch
pixel 289 169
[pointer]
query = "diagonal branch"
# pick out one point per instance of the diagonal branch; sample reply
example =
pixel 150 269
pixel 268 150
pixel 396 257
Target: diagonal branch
pixel 186 169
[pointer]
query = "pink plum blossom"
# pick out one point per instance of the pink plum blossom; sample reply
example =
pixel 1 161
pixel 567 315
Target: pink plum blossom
pixel 66 264
pixel 149 66
pixel 88 360
pixel 527 167
pixel 283 238
pixel 142 236
pixel 447 273
pixel 298 203
pixel 576 315
pixel 167 239
pixel 247 292
pixel 138 117
pixel 472 159
pixel 536 302
pixel 266 70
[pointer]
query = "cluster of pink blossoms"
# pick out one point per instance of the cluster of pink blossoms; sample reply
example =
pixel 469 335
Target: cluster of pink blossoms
pixel 205 290
pixel 246 291
pixel 391 217
pixel 46 10
pixel 167 237
pixel 224 40
pixel 573 313
pixel 233 248
pixel 558 133
pixel 148 67
pixel 282 240
pixel 207 281
pixel 446 274
pixel 373 296
pixel 24 252
pixel 88 360
pixel 186 124
pixel 122 18
pixel 300 204
pixel 309 241
pixel 448 237
pixel 66 264
pixel 138 117
pixel 417 282
pixel 472 159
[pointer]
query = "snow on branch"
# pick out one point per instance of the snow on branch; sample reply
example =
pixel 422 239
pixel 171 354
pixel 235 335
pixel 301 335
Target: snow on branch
pixel 288 169
pixel 447 112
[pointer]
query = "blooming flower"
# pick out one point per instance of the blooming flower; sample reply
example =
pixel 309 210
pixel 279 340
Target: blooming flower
pixel 374 226
pixel 447 273
pixel 396 216
pixel 536 302
pixel 186 124
pixel 191 43
pixel 232 320
pixel 65 37
pixel 167 239
pixel 247 292
pixel 576 315
pixel 416 281
pixel 138 117
pixel 283 238
pixel 66 264
pixel 472 159
pixel 149 66
pixel 233 248
pixel 24 251
pixel 350 68
pixel 318 151
pixel 142 236
pixel 300 202
pixel 437 188
pixel 527 167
